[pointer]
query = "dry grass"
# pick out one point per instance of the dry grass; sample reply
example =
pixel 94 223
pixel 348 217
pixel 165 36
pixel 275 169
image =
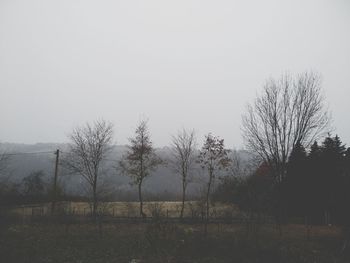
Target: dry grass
pixel 130 209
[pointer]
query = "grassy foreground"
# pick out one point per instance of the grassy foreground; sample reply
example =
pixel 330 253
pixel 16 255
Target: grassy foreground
pixel 164 242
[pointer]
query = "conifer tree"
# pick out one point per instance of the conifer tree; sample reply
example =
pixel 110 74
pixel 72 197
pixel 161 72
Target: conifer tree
pixel 297 180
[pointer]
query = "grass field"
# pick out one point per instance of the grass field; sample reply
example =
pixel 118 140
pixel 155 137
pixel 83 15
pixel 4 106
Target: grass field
pixel 130 209
pixel 167 243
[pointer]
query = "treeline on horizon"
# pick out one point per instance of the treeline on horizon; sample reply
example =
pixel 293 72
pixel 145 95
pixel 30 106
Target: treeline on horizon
pixel 297 170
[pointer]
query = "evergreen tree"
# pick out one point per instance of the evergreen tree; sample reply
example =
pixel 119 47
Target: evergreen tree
pixel 346 189
pixel 331 176
pixel 296 184
pixel 314 169
pixel 315 152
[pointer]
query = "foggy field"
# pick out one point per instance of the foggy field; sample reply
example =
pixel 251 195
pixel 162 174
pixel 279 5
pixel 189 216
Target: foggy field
pixel 175 131
pixel 167 243
pixel 128 209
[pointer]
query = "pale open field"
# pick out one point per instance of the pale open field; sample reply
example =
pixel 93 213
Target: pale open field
pixel 130 209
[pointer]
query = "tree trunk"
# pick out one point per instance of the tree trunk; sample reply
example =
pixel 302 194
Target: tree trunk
pixel 183 199
pixel 307 225
pixel 207 201
pixel 208 194
pixel 141 201
pixel 327 217
pixel 94 200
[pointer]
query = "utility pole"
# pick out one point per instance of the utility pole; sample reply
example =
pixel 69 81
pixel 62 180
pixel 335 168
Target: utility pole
pixel 54 199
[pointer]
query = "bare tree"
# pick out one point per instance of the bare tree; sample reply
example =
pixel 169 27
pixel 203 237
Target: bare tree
pixel 243 163
pixel 140 159
pixel 289 111
pixel 183 151
pixel 213 157
pixel 88 148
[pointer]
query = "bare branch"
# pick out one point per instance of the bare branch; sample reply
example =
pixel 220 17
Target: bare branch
pixel 183 153
pixel 289 111
pixel 88 148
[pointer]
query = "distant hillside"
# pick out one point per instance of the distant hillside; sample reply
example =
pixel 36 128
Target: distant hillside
pixel 41 156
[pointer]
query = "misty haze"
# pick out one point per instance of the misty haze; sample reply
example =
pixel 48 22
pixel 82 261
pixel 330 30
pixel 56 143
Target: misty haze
pixel 174 131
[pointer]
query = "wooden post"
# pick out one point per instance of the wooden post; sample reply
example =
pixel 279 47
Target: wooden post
pixel 57 153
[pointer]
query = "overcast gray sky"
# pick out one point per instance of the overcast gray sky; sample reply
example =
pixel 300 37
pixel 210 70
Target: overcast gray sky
pixel 182 63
